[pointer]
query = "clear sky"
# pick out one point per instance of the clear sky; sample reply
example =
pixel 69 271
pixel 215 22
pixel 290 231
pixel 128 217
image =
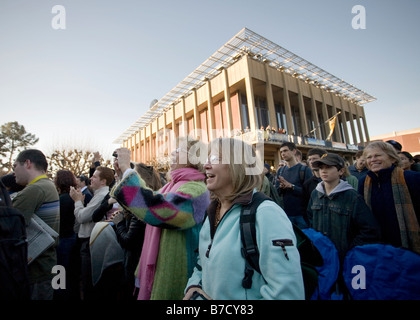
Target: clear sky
pixel 84 85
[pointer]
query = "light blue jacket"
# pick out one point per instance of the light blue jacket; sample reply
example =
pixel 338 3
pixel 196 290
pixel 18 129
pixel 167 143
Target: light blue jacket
pixel 220 274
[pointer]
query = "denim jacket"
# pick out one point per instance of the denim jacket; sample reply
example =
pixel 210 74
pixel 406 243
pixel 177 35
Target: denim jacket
pixel 342 216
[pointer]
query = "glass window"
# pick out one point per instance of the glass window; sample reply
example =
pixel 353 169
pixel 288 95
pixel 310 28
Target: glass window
pixel 244 113
pixel 261 112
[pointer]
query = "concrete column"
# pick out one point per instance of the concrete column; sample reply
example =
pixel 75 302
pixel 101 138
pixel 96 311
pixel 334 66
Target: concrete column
pixel 137 147
pixel 143 156
pixel 365 123
pixel 210 123
pixel 165 147
pixel 270 98
pixel 250 97
pixel 150 142
pixel 197 122
pixel 317 132
pixel 184 126
pixel 302 112
pixel 325 114
pixel 287 107
pixel 227 125
pixel 156 155
pixel 174 134
pixel 359 126
pixel 335 110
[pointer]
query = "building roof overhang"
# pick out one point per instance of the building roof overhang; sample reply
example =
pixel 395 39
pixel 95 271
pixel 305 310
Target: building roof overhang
pixel 247 42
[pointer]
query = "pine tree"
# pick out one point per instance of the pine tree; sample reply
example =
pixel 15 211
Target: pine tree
pixel 13 139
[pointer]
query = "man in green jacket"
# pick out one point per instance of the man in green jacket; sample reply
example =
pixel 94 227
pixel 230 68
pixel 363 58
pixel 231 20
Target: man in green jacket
pixel 39 197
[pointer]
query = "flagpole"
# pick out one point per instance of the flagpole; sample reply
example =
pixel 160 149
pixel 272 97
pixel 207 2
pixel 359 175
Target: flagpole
pixel 306 135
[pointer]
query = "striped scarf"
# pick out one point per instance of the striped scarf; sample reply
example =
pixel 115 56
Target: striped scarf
pixel 407 220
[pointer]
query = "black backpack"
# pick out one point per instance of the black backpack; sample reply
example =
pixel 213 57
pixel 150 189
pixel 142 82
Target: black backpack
pixel 14 280
pixel 275 196
pixel 310 258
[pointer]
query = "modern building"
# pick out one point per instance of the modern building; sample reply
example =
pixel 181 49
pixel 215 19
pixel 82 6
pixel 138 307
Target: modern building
pixel 251 83
pixel 409 139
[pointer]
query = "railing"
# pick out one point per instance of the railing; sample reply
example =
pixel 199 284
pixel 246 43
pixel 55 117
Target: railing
pixel 259 136
pixel 263 136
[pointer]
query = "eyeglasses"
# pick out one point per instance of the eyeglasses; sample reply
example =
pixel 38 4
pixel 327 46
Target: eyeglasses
pixel 178 150
pixel 213 159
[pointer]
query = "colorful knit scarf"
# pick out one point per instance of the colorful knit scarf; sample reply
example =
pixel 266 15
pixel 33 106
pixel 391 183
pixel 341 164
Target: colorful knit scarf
pixel 147 265
pixel 407 220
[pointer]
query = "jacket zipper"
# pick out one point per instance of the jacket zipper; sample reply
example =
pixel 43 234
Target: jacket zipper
pixel 209 247
pixel 283 243
pixel 211 242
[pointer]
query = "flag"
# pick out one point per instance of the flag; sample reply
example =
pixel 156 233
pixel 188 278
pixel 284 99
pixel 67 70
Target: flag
pixel 332 126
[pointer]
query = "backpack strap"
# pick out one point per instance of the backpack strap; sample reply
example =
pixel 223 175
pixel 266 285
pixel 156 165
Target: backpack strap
pixel 280 171
pixel 302 174
pixel 248 237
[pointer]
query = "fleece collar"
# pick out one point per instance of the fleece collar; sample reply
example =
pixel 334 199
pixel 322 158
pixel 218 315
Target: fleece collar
pixel 342 186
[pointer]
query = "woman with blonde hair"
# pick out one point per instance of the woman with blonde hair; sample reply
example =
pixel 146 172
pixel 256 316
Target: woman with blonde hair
pixel 393 196
pixel 173 216
pixel 233 172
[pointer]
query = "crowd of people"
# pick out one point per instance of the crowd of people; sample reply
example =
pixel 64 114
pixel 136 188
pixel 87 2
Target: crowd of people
pixel 126 234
